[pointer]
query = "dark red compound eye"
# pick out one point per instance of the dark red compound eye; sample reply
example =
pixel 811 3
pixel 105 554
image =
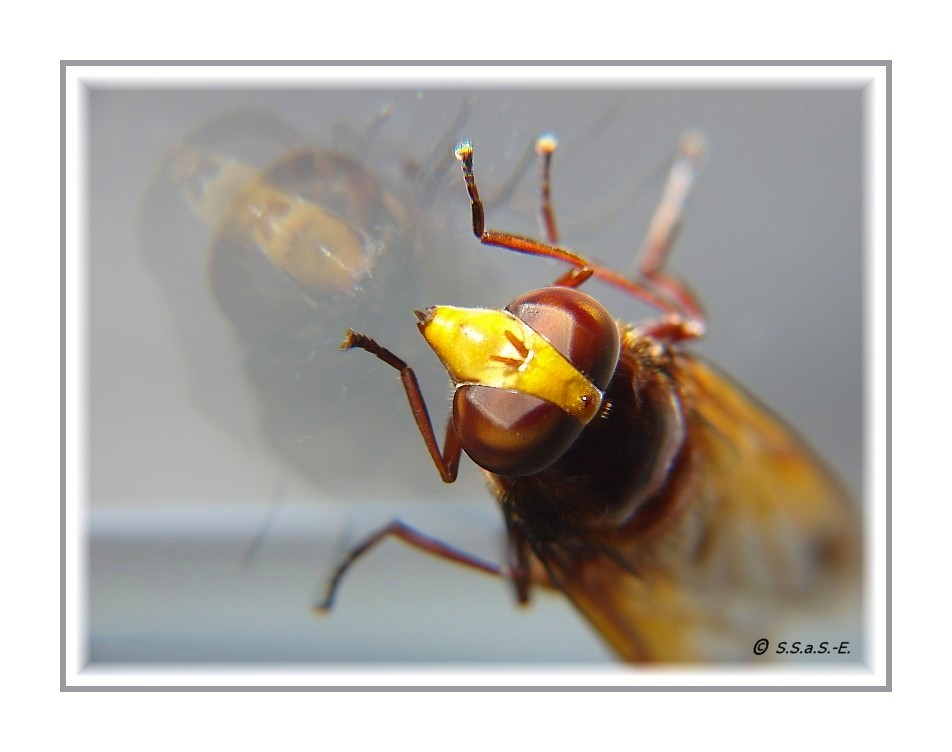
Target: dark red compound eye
pixel 577 325
pixel 515 434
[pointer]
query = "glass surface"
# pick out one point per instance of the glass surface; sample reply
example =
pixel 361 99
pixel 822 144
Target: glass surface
pixel 229 469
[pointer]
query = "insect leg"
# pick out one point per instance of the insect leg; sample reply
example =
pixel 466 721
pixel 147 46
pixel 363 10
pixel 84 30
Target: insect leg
pixel 545 146
pixel 412 537
pixel 442 157
pixel 447 461
pixel 520 244
pixel 503 194
pixel 682 317
pixel 518 558
pixel 667 221
pixel 368 133
pixel 357 139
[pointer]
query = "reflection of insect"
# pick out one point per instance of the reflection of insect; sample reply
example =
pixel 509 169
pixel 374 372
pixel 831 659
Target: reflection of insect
pixel 296 247
pixel 678 515
pixel 291 236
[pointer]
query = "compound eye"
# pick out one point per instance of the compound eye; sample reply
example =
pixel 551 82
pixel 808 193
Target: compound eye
pixel 528 378
pixel 510 433
pixel 577 325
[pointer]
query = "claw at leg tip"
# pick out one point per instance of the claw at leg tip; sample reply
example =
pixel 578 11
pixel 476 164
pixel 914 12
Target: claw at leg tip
pixel 464 150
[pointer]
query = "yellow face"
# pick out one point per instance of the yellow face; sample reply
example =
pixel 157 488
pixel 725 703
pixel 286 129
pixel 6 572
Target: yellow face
pixel 495 348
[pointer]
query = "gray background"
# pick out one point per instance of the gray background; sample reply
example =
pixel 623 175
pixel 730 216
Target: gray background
pixel 208 545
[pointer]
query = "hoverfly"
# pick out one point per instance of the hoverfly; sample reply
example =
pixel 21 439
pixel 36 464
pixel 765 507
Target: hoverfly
pixel 677 514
